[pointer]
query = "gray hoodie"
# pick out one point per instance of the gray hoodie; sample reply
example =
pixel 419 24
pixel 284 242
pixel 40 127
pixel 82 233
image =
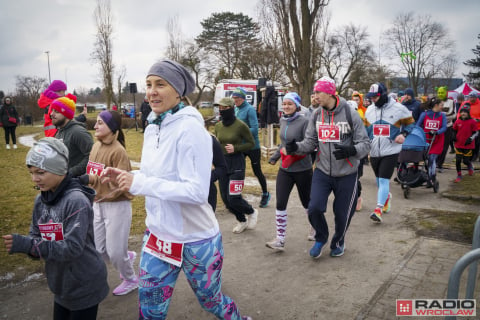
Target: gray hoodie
pixel 357 136
pixel 290 129
pixel 76 273
pixel 79 143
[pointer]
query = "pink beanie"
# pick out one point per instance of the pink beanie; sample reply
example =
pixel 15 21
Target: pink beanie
pixel 65 106
pixel 325 84
pixel 57 85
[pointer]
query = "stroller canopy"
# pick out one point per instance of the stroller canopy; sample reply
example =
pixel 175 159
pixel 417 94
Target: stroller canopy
pixel 416 140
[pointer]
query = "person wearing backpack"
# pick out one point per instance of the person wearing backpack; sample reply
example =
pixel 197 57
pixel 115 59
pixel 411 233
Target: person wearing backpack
pixel 339 134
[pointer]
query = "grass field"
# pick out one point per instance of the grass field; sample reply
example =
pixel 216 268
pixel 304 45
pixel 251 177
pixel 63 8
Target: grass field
pixel 17 195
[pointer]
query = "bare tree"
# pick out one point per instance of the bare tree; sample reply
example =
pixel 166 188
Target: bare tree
pixel 345 51
pixel 28 91
pixel 121 74
pixel 197 61
pixel 420 44
pixel 175 39
pixel 102 51
pixel 298 24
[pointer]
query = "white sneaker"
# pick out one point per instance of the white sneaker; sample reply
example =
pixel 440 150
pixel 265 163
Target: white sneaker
pixel 276 244
pixel 14 146
pixel 8 146
pixel 252 219
pixel 240 227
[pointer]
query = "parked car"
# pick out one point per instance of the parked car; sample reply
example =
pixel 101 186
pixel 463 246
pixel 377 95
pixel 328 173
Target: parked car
pixel 100 107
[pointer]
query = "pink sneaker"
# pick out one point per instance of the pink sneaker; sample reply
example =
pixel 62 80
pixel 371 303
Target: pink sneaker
pixel 126 287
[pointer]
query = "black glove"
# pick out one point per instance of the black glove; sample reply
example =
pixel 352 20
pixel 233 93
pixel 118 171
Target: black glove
pixel 343 151
pixel 433 133
pixel 468 141
pixel 291 146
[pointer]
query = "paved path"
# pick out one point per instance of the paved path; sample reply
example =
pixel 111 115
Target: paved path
pixel 382 263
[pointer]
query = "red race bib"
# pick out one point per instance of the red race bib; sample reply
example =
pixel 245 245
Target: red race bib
pixel 432 124
pixel 236 187
pixel 51 231
pixel 95 168
pixel 170 252
pixel 381 130
pixel 328 132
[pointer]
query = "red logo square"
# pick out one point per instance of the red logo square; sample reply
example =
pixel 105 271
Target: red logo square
pixel 404 308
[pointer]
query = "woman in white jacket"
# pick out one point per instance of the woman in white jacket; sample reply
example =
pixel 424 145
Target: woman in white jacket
pixel 174 176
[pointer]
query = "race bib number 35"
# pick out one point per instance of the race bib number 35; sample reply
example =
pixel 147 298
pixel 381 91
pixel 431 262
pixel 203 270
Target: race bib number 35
pixel 95 168
pixel 328 133
pixel 51 231
pixel 170 252
pixel 381 130
pixel 236 187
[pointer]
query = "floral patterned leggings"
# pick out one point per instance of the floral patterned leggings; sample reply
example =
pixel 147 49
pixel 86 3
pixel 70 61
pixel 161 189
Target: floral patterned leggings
pixel 202 265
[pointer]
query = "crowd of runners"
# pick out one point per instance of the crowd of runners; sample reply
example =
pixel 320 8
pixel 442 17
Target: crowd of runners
pixel 82 215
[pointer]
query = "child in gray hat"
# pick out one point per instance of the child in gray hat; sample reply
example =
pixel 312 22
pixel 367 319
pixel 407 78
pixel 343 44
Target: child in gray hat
pixel 61 233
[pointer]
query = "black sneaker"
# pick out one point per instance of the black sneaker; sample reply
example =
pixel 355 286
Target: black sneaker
pixel 265 199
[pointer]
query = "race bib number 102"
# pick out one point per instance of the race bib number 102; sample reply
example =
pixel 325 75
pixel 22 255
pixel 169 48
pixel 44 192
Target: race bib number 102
pixel 328 132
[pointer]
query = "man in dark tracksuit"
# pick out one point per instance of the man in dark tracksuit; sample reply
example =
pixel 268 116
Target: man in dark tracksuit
pixel 340 136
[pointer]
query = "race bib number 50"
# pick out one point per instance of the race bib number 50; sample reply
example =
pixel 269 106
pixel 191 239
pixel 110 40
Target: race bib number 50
pixel 236 187
pixel 170 252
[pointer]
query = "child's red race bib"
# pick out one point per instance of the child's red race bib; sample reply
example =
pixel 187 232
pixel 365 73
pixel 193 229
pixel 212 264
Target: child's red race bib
pixel 95 168
pixel 381 130
pixel 236 187
pixel 170 252
pixel 328 132
pixel 51 231
pixel 432 124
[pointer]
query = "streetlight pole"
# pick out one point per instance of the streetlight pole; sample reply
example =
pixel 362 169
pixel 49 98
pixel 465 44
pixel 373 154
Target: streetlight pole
pixel 48 60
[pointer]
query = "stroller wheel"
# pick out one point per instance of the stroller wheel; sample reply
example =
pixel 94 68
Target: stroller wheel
pixel 436 185
pixel 406 192
pixel 402 186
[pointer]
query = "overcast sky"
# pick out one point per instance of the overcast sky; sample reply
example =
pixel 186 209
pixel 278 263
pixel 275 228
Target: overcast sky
pixel 66 29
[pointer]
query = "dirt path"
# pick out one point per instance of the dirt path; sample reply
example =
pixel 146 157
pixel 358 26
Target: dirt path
pixel 288 285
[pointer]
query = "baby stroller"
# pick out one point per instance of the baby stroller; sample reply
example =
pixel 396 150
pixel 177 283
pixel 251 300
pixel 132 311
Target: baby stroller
pixel 410 173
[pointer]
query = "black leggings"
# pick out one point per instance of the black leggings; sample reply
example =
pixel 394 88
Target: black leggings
pixel 383 167
pixel 10 131
pixel 285 182
pixel 254 156
pixel 464 155
pixel 61 313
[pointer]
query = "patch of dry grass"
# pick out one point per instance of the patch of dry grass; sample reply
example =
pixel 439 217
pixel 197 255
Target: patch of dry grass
pixel 17 196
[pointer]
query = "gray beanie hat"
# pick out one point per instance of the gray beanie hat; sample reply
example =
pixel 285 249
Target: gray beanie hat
pixel 49 154
pixel 175 74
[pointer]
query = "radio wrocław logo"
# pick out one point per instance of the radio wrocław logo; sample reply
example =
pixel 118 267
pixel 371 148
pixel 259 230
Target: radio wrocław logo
pixel 436 307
